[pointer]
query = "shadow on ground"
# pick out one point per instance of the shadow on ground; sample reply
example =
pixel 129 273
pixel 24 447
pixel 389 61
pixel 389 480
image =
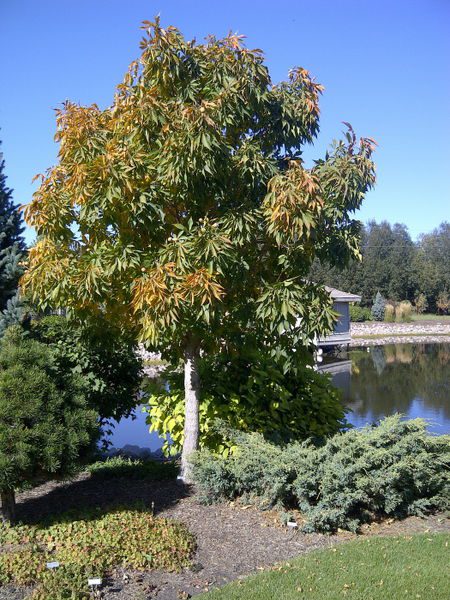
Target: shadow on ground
pixel 51 499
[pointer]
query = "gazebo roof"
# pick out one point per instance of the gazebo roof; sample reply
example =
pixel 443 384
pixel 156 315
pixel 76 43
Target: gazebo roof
pixel 340 296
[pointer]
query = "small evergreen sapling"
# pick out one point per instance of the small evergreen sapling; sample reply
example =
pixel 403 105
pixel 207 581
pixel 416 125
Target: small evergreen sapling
pixel 378 308
pixel 46 429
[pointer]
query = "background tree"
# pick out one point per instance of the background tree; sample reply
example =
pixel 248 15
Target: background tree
pixel 394 265
pixel 443 302
pixel 433 263
pixel 12 245
pixel 420 303
pixel 185 213
pixel 46 428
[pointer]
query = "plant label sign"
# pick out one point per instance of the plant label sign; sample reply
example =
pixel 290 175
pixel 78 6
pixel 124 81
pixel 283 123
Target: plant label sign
pixel 52 565
pixel 95 581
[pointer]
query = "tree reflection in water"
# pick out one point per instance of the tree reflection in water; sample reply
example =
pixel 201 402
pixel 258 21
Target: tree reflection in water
pixel 412 379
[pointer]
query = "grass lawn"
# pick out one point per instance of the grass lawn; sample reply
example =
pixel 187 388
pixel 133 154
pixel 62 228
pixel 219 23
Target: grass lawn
pixel 370 569
pixel 431 317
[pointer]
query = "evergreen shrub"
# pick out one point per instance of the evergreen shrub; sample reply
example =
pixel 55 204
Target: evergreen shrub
pixel 378 308
pixel 47 429
pixel 393 469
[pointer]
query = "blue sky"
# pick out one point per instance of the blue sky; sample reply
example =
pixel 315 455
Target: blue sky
pixel 385 65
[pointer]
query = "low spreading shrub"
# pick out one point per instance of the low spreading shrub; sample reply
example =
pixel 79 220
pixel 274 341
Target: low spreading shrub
pixel 90 545
pixel 395 468
pixel 359 314
pixel 132 468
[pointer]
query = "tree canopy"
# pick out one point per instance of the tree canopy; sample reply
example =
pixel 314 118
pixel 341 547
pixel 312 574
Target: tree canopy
pixel 185 212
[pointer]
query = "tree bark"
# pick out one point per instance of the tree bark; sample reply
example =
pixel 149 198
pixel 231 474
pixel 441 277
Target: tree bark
pixel 191 414
pixel 8 499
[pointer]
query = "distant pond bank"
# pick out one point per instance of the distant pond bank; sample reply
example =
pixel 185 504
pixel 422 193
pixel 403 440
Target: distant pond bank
pixel 379 333
pixel 376 381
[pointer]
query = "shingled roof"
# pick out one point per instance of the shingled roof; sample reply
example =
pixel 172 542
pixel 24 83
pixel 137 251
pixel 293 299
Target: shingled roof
pixel 340 296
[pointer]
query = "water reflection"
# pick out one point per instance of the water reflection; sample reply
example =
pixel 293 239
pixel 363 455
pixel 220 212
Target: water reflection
pixel 413 379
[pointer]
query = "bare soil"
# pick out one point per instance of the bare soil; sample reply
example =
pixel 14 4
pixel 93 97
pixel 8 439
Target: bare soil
pixel 233 540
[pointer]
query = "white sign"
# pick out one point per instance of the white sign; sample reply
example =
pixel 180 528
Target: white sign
pixel 95 581
pixel 52 565
pixel 292 524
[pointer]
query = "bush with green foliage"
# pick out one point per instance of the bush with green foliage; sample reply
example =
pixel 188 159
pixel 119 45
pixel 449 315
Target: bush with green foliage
pixel 251 391
pixel 395 469
pixel 378 308
pixel 359 314
pixel 133 468
pixel 46 426
pixel 103 358
pixel 90 544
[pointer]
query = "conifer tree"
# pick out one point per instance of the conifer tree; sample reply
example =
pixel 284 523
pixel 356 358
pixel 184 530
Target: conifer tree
pixel 12 244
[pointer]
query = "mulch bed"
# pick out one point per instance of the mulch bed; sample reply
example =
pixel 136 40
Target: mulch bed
pixel 233 541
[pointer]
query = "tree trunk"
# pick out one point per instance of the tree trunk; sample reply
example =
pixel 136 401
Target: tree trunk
pixel 191 418
pixel 8 505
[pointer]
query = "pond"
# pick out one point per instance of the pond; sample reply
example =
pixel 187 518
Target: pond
pixel 412 379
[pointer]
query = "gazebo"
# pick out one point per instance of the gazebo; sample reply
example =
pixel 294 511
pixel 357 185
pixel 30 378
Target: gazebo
pixel 341 304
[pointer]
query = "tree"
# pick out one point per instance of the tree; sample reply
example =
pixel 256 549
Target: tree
pixel 420 303
pixel 443 302
pixel 184 211
pixel 12 245
pixel 378 307
pixel 46 428
pixel 433 264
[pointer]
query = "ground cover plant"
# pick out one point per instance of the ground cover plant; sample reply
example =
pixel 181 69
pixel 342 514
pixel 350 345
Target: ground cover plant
pixel 372 569
pixel 393 469
pixel 133 468
pixel 89 544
